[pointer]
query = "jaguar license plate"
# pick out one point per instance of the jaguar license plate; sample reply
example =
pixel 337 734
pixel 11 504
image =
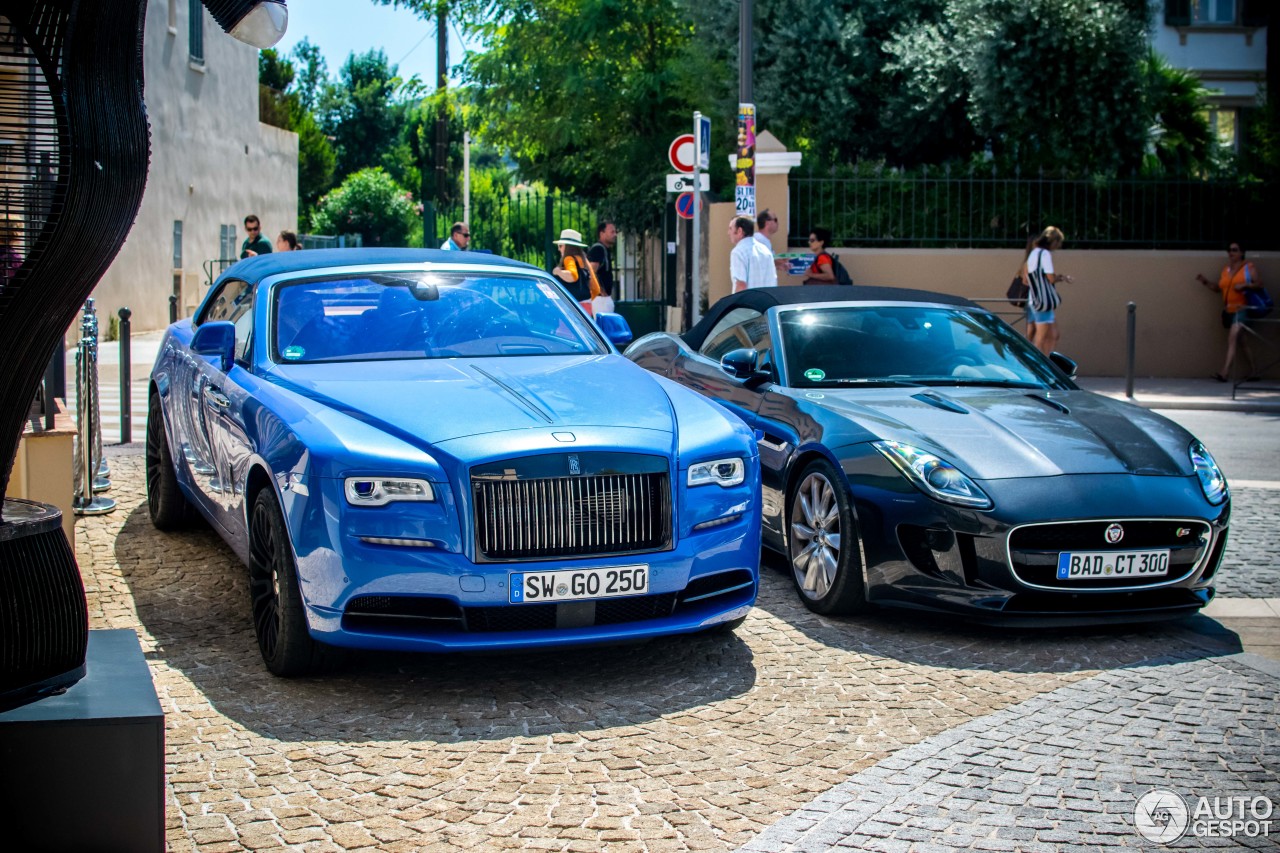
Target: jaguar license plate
pixel 576 584
pixel 1092 565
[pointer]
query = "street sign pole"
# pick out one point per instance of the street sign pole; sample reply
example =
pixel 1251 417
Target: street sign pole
pixel 696 248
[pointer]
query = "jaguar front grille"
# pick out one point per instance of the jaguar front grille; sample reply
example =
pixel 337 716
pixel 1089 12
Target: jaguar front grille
pixel 1034 550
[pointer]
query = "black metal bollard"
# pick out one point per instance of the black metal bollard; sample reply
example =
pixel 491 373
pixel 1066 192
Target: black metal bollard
pixel 1131 335
pixel 173 308
pixel 126 378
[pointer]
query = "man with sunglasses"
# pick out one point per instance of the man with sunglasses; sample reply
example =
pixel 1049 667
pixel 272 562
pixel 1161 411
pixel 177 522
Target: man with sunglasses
pixel 255 243
pixel 459 238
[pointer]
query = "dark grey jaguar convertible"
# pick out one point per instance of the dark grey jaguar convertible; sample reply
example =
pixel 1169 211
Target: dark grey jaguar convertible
pixel 917 451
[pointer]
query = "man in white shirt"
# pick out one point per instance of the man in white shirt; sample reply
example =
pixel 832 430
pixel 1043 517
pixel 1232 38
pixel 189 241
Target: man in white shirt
pixel 750 263
pixel 766 227
pixel 459 238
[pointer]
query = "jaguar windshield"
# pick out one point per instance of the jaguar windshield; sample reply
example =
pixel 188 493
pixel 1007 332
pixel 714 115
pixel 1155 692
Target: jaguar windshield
pixel 854 346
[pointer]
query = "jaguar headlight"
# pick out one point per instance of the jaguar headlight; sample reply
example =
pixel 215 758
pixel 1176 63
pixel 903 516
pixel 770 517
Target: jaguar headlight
pixel 933 475
pixel 379 491
pixel 1212 480
pixel 722 472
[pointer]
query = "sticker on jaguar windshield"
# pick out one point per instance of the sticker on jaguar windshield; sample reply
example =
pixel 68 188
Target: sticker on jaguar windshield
pixel 294 353
pixel 814 374
pixel 547 290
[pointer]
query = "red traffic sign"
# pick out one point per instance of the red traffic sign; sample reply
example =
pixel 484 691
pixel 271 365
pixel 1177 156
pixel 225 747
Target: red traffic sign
pixel 684 205
pixel 682 153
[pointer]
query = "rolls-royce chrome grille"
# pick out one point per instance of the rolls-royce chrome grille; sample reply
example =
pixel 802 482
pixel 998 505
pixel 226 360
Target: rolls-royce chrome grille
pixel 605 509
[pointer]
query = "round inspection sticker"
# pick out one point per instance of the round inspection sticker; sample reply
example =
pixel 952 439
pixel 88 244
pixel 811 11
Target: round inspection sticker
pixel 815 374
pixel 293 353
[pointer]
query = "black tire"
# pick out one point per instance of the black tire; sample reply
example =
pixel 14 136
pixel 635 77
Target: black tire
pixel 822 545
pixel 169 507
pixel 279 621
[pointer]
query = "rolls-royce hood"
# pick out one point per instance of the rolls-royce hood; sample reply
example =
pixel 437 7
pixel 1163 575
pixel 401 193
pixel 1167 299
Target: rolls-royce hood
pixel 997 433
pixel 441 399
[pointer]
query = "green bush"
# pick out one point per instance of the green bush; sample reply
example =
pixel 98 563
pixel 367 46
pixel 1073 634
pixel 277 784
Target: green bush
pixel 369 203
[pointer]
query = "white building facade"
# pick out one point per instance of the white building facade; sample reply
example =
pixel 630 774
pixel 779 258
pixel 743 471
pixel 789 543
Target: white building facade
pixel 1224 42
pixel 212 162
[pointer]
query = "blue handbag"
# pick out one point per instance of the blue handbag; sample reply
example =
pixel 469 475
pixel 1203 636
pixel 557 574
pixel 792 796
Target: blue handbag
pixel 1259 301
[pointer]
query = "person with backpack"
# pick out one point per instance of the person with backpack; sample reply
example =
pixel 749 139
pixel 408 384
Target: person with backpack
pixel 826 267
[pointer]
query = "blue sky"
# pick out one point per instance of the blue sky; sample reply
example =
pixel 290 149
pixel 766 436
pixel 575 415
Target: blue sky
pixel 343 27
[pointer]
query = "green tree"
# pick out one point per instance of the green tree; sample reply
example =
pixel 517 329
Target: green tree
pixel 362 112
pixel 1179 139
pixel 312 75
pixel 371 204
pixel 585 95
pixel 281 104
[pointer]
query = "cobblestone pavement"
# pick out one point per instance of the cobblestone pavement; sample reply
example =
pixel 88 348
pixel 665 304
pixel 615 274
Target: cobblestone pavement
pixel 695 743
pixel 1063 771
pixel 1251 564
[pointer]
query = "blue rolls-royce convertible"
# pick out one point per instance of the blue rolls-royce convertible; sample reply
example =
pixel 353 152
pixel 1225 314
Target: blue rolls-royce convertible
pixel 433 451
pixel 917 451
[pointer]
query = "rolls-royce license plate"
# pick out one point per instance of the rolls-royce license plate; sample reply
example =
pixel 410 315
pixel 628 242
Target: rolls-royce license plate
pixel 576 584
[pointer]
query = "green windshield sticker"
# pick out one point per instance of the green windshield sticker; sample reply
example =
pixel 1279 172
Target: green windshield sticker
pixel 294 352
pixel 814 374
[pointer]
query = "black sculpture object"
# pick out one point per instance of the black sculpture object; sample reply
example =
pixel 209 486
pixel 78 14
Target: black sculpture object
pixel 70 188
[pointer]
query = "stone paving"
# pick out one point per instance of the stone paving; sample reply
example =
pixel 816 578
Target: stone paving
pixel 698 743
pixel 1062 771
pixel 1251 565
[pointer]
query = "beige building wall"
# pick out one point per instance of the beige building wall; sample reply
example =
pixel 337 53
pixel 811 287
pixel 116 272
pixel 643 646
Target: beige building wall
pixel 212 162
pixel 1179 333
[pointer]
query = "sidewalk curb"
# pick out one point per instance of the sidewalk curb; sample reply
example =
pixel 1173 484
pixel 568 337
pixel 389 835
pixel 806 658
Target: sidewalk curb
pixel 1197 404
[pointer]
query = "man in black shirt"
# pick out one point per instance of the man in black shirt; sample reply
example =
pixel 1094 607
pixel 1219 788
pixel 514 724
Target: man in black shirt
pixel 598 256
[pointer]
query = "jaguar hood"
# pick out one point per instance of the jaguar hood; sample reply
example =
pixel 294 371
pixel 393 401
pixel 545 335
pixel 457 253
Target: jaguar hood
pixel 998 433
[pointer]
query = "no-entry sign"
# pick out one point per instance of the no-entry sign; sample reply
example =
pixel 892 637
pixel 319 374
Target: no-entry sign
pixel 682 153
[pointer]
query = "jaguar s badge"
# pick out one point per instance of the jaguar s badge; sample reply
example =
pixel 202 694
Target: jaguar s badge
pixel 574 467
pixel 1183 531
pixel 1114 534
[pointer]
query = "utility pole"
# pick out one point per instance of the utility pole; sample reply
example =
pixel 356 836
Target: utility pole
pixel 744 180
pixel 442 83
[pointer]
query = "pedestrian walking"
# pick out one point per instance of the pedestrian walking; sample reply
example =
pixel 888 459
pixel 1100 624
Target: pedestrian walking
pixel 575 270
pixel 1044 299
pixel 749 263
pixel 459 238
pixel 822 270
pixel 602 264
pixel 287 241
pixel 1236 277
pixel 255 243
pixel 1025 278
pixel 766 227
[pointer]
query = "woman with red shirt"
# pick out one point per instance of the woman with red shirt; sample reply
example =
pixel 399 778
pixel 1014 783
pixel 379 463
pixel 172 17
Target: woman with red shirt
pixel 1236 277
pixel 821 271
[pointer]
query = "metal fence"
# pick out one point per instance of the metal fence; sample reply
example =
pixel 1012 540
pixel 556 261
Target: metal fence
pixel 523 224
pixel 942 208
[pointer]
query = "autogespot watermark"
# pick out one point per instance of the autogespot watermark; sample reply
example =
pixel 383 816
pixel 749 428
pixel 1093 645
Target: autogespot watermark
pixel 1165 817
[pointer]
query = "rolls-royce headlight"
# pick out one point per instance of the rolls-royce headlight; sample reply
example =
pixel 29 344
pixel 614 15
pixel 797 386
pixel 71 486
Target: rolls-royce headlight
pixel 722 472
pixel 1212 480
pixel 933 475
pixel 379 491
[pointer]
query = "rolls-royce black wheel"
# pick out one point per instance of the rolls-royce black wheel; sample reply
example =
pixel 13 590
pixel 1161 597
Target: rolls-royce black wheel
pixel 279 620
pixel 169 507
